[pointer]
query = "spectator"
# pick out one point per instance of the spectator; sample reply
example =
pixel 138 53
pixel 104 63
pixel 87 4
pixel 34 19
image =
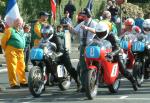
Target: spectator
pixel 27 35
pixel 80 17
pixel 106 17
pixel 85 38
pixel 139 20
pixel 43 17
pixel 70 8
pixel 60 35
pixel 109 4
pixel 114 11
pixel 2 25
pixel 66 20
pixel 13 43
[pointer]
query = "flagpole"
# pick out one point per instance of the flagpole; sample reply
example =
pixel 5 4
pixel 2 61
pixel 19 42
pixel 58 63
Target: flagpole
pixel 59 11
pixel 50 20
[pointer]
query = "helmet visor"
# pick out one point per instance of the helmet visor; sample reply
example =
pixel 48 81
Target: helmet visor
pixel 45 35
pixel 146 29
pixel 101 34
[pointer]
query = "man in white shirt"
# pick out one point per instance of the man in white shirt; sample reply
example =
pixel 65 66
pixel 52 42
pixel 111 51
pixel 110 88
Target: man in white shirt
pixel 85 37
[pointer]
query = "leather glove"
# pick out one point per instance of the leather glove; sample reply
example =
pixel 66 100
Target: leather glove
pixel 109 57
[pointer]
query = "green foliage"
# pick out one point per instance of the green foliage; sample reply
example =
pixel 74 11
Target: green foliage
pixel 2 7
pixel 130 10
pixel 138 1
pixel 29 9
pixel 98 6
pixel 145 8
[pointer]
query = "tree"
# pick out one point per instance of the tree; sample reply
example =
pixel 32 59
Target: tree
pixel 138 1
pixel 130 10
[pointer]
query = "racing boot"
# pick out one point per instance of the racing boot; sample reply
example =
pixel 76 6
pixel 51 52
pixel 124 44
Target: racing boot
pixel 134 83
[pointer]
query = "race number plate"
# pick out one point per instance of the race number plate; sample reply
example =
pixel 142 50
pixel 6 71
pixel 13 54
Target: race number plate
pixel 114 70
pixel 60 71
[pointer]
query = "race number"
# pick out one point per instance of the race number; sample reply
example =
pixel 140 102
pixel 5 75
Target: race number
pixel 114 70
pixel 92 52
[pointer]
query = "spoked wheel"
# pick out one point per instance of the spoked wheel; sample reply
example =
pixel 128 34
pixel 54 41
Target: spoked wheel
pixel 91 83
pixel 114 87
pixel 138 73
pixel 35 80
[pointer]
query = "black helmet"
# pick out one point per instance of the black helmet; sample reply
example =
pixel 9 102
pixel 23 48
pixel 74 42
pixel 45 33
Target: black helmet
pixel 43 13
pixel 87 12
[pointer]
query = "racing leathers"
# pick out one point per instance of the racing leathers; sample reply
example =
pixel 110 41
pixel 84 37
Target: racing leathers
pixel 65 59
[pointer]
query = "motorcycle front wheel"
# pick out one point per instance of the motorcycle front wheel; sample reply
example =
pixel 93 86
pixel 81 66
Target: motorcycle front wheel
pixel 138 73
pixel 35 81
pixel 91 83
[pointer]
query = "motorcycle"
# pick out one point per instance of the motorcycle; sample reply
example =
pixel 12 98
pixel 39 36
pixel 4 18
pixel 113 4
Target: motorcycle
pixel 125 44
pixel 143 49
pixel 100 68
pixel 138 48
pixel 136 57
pixel 45 61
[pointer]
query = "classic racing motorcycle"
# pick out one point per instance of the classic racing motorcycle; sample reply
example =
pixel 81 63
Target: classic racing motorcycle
pixel 100 68
pixel 45 61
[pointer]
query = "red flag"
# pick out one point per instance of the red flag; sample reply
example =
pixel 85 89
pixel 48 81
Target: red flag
pixel 53 9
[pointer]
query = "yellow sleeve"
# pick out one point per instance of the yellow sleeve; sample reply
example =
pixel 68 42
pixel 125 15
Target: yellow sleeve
pixel 5 38
pixel 37 29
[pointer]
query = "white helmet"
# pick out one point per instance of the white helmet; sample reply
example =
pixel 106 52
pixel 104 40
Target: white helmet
pixel 102 30
pixel 146 26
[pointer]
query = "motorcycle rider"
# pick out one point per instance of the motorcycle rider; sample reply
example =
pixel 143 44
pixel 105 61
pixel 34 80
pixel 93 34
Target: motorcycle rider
pixel 42 21
pixel 145 36
pixel 102 32
pixel 64 58
pixel 128 27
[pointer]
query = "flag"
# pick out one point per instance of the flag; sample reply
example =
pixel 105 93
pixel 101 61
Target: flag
pixel 89 5
pixel 12 12
pixel 53 8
